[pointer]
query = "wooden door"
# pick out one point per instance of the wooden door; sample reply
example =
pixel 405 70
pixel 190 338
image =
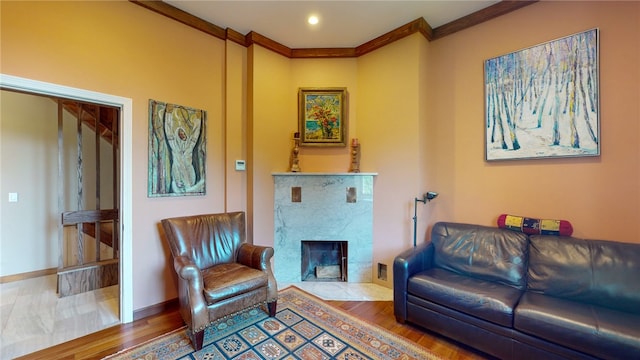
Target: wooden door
pixel 87 196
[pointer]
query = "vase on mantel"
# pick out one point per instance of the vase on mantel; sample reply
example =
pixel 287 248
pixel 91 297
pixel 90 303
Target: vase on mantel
pixel 355 156
pixel 295 162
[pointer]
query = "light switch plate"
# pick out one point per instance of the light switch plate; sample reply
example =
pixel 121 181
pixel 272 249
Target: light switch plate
pixel 241 165
pixel 13 197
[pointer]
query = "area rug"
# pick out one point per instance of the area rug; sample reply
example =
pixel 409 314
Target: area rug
pixel 304 327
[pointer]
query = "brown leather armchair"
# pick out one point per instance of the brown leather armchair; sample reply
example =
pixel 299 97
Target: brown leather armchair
pixel 219 274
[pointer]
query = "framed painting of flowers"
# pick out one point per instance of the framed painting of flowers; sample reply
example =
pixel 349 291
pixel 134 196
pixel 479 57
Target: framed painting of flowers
pixel 322 114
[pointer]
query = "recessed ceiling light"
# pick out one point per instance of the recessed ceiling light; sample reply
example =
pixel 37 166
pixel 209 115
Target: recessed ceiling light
pixel 313 20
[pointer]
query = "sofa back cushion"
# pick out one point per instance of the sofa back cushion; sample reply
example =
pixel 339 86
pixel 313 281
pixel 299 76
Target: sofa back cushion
pixel 604 273
pixel 483 252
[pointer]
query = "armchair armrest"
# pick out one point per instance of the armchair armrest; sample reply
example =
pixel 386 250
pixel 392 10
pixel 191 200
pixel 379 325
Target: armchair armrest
pixel 191 292
pixel 255 256
pixel 259 257
pixel 186 268
pixel 406 264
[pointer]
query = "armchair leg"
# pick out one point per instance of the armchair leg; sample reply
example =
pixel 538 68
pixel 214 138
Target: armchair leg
pixel 272 308
pixel 197 339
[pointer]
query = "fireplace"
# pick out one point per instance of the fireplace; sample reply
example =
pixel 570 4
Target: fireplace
pixel 324 207
pixel 324 261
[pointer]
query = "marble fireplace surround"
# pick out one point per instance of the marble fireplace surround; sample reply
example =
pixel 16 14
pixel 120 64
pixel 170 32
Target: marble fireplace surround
pixel 323 207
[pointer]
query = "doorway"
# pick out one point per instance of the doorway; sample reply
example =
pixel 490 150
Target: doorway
pixel 125 170
pixel 88 199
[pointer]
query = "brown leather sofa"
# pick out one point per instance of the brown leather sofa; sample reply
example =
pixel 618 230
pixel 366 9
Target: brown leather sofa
pixel 515 296
pixel 219 273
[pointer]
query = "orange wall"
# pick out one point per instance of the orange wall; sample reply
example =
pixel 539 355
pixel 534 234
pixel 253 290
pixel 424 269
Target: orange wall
pixel 309 73
pixel 600 196
pixel 383 112
pixel 416 106
pixel 123 49
pixel 389 122
pixel 270 126
pixel 235 86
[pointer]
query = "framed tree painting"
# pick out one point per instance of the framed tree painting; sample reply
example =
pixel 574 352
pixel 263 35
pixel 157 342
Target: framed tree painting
pixel 543 101
pixel 177 150
pixel 322 116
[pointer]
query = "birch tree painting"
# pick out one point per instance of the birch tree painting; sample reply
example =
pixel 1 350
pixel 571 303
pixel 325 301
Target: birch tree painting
pixel 543 101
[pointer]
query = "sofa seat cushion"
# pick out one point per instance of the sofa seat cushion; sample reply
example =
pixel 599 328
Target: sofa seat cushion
pixel 228 280
pixel 591 329
pixel 487 300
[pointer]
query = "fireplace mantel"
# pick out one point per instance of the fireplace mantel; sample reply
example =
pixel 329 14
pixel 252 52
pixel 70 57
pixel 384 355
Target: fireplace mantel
pixel 323 174
pixel 323 207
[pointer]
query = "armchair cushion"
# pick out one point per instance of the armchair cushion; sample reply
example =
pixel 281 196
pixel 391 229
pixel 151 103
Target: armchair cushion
pixel 224 281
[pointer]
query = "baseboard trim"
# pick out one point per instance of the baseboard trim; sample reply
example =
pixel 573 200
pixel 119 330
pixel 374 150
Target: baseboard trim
pixel 155 309
pixel 27 275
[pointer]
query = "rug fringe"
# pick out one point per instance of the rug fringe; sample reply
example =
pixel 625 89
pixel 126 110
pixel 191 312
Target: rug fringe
pixel 144 343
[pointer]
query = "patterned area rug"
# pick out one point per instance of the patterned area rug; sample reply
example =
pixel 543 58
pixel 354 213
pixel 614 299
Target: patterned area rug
pixel 304 328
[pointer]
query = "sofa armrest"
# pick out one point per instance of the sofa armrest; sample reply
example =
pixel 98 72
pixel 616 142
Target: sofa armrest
pixel 405 265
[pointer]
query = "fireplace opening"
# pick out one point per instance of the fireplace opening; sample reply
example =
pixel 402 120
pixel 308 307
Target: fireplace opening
pixel 324 260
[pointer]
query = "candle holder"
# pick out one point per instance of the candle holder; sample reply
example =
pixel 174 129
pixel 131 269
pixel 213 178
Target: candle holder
pixel 294 161
pixel 355 156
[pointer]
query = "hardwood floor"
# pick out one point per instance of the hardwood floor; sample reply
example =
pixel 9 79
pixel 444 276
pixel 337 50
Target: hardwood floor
pixel 114 339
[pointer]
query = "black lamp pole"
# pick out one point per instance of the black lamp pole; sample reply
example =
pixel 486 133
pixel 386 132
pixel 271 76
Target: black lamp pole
pixel 428 196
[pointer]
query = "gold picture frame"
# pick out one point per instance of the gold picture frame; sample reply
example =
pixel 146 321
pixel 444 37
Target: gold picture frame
pixel 322 116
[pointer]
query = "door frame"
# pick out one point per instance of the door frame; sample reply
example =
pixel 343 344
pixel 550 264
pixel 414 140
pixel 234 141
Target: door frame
pixel 126 168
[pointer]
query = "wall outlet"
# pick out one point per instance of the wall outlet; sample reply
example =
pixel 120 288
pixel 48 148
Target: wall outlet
pixel 382 272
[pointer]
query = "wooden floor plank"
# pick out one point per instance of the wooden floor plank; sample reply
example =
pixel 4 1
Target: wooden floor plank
pixel 114 339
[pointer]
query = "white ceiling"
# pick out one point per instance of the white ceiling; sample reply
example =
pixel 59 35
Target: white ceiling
pixel 342 23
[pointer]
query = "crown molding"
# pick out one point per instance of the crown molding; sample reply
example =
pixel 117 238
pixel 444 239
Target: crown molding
pixel 255 38
pixel 236 37
pixel 417 26
pixel 184 17
pixel 480 16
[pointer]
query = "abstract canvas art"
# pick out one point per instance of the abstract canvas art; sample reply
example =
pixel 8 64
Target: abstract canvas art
pixel 177 150
pixel 543 101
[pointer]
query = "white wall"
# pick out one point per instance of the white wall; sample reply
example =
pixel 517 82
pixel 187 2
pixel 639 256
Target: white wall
pixel 28 231
pixel 28 138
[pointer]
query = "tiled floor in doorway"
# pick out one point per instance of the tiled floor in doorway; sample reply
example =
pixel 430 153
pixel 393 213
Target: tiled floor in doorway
pixel 33 317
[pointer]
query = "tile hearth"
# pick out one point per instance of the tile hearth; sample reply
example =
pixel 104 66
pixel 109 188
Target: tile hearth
pixel 343 291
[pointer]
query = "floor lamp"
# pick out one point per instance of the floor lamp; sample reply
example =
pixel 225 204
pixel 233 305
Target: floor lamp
pixel 428 196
